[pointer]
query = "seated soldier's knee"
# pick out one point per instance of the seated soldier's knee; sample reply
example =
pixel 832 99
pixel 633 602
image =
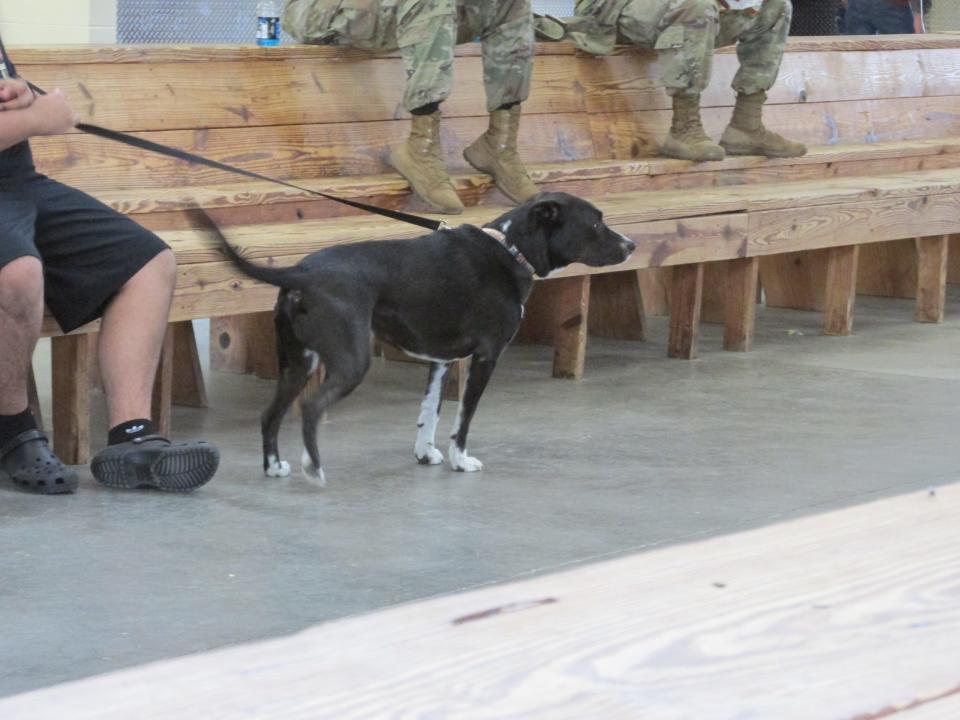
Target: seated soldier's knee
pixel 699 8
pixel 21 288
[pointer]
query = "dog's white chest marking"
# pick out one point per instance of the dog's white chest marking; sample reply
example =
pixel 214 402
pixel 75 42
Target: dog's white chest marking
pixel 311 357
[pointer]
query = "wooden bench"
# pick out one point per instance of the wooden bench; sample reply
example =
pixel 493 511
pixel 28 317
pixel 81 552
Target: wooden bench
pixel 885 166
pixel 754 624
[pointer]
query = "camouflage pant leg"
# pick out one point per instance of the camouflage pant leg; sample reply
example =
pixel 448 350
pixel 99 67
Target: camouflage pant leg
pixel 366 24
pixel 760 42
pixel 427 36
pixel 424 31
pixel 682 31
pixel 505 27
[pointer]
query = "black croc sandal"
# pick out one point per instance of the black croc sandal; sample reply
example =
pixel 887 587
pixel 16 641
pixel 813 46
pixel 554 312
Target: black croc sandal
pixel 152 461
pixel 31 465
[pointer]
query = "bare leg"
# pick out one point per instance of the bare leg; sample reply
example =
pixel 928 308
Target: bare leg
pixel 425 450
pixel 131 337
pixel 21 314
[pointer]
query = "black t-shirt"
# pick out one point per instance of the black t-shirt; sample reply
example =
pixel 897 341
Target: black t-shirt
pixel 17 159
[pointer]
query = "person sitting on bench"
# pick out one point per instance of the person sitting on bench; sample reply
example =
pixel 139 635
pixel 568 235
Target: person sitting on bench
pixel 86 261
pixel 685 32
pixel 426 32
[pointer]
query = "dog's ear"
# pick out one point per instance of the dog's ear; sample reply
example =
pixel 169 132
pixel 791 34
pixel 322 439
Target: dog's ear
pixel 547 212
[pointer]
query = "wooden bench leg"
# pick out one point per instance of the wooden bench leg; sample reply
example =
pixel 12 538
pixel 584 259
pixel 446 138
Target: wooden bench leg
pixel 71 356
pixel 740 304
pixel 228 344
pixel 262 346
pixel 557 313
pixel 570 334
pixel 33 398
pixel 244 344
pixel 163 386
pixel 456 380
pixel 616 306
pixel 931 278
pixel 189 388
pixel 686 301
pixel 841 290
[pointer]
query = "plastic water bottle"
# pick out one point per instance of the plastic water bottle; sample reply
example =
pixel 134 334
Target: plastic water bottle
pixel 268 23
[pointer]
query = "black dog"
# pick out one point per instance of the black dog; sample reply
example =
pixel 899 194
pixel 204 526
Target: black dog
pixel 453 294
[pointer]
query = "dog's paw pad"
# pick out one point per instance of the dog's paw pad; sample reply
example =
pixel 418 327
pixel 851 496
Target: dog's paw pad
pixel 461 462
pixel 429 456
pixel 311 472
pixel 277 469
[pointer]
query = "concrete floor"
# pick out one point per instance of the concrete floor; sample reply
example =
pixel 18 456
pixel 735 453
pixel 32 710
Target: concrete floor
pixel 643 453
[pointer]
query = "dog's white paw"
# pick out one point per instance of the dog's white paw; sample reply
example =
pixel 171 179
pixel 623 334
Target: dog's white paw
pixel 461 462
pixel 311 472
pixel 428 455
pixel 277 468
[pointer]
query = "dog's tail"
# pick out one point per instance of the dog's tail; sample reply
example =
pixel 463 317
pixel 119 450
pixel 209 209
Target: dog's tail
pixel 287 277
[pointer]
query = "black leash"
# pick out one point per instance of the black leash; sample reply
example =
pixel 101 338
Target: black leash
pixel 133 141
pixel 150 146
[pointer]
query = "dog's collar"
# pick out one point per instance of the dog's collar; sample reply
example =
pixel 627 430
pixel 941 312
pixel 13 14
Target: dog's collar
pixel 510 248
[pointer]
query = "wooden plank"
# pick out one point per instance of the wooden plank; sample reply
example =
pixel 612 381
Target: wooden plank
pixel 637 134
pixel 228 343
pixel 841 290
pixel 71 356
pixel 777 231
pixel 953 259
pixel 616 306
pixel 261 342
pixel 888 269
pixel 740 304
pixel 209 53
pixel 754 624
pixel 287 151
pixel 570 334
pixel 189 387
pixel 624 83
pixel 596 178
pixel 655 290
pixel 85 54
pixel 794 280
pixel 161 405
pixel 686 298
pixel 931 278
pixel 267 92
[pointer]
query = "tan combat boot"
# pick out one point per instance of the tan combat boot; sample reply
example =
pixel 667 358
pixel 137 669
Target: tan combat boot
pixel 687 139
pixel 495 153
pixel 420 161
pixel 746 135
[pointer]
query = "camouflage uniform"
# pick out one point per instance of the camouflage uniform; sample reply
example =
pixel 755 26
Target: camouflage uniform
pixel 425 32
pixel 685 32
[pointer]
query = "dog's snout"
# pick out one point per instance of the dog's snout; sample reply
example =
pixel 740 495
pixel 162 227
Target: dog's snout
pixel 628 245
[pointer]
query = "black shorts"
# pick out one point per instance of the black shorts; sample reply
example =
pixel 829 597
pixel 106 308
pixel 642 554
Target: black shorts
pixel 88 250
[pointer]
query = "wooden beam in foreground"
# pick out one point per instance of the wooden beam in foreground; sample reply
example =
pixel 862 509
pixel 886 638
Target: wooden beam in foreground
pixel 852 614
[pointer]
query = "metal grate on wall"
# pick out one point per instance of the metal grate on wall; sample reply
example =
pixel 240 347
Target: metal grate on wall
pixel 187 21
pixel 218 21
